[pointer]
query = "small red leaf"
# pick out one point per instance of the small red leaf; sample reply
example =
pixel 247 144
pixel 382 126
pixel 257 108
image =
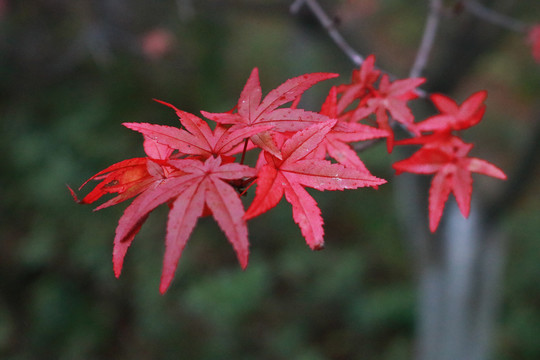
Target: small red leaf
pixel 446 156
pixel 298 169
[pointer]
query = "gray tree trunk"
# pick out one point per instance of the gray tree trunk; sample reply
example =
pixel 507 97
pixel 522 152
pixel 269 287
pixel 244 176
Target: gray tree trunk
pixel 458 275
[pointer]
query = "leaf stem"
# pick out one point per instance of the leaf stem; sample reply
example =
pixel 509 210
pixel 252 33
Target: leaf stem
pixel 329 25
pixel 244 152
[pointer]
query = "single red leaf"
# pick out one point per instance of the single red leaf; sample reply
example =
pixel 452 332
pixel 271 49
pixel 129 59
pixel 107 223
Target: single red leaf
pixel 298 169
pixel 452 116
pixel 207 187
pixel 200 140
pixel 189 185
pixel 390 98
pixel 393 97
pixel 202 185
pixel 195 125
pixel 129 178
pixel 446 157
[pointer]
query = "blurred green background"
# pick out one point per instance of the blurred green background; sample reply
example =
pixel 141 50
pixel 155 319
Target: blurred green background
pixel 72 71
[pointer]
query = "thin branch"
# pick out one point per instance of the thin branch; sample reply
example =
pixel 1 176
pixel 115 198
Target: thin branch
pixel 330 26
pixel 428 38
pixel 494 17
pixel 336 36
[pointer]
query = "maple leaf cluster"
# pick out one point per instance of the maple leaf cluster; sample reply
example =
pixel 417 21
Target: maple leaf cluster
pixel 199 170
pixel 444 154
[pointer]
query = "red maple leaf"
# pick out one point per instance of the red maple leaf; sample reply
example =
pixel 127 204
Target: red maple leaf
pixel 336 142
pixel 392 97
pixel 203 184
pixel 198 139
pixel 251 111
pixel 192 169
pixel 361 86
pixel 130 177
pixel 453 116
pixel 447 159
pixel 297 169
pixel 194 186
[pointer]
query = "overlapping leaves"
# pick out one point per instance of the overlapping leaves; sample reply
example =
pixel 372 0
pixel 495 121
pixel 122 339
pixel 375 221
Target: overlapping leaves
pixel 444 154
pixel 198 169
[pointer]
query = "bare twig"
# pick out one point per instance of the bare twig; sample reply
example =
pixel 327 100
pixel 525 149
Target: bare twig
pixel 494 17
pixel 428 38
pixel 336 36
pixel 329 26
